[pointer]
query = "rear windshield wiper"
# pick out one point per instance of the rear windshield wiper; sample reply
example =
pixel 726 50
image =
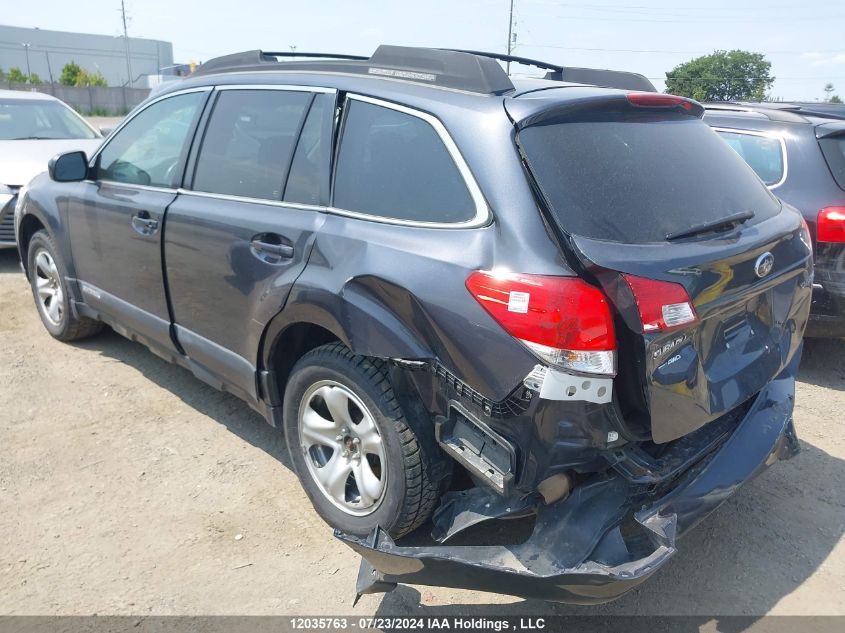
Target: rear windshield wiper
pixel 727 222
pixel 34 138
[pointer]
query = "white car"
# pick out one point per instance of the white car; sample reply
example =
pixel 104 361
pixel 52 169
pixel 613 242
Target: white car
pixel 34 127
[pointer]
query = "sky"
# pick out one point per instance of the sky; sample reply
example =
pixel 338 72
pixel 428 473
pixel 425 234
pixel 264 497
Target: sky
pixel 804 41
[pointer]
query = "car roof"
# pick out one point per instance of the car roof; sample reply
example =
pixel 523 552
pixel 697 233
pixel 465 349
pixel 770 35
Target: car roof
pixel 780 111
pixel 26 95
pixel 445 70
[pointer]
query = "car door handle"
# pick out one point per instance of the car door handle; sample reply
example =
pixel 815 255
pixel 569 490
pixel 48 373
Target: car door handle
pixel 271 249
pixel 144 224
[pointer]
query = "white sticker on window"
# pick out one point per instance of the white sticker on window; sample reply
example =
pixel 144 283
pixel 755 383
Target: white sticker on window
pixel 518 302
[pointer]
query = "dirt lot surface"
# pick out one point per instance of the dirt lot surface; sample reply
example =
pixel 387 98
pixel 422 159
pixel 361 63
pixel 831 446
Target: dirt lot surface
pixel 129 487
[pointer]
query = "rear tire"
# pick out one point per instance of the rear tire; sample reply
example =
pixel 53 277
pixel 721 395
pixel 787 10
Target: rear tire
pixel 47 274
pixel 367 468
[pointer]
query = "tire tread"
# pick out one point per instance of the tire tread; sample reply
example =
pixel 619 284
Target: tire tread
pixel 76 327
pixel 421 491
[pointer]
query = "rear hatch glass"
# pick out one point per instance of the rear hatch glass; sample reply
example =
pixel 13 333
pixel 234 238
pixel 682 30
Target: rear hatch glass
pixel 640 179
pixel 619 183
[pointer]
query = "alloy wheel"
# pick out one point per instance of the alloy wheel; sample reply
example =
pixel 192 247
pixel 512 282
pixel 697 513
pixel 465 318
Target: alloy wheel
pixel 48 287
pixel 343 448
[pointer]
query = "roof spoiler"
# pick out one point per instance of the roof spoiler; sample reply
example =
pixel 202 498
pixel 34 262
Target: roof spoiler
pixel 473 71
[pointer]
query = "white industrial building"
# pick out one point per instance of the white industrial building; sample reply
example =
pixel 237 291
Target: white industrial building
pixel 45 52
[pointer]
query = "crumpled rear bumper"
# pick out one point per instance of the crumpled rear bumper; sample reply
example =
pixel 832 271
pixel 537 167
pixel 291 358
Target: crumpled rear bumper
pixel 608 536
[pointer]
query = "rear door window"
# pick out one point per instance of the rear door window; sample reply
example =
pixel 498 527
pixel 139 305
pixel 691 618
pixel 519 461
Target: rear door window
pixel 763 153
pixel 249 141
pixel 640 179
pixel 833 149
pixel 395 165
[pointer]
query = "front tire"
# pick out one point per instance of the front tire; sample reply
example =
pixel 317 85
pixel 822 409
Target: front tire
pixel 47 274
pixel 358 459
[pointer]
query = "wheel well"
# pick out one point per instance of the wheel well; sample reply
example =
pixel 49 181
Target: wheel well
pixel 29 226
pixel 292 344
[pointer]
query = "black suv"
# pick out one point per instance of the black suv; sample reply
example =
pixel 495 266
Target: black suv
pixel 798 150
pixel 462 297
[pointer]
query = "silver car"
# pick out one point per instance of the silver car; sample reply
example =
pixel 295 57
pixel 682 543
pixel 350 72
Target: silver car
pixel 34 127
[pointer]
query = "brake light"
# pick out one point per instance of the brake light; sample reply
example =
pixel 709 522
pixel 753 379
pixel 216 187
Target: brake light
pixel 563 320
pixel 830 225
pixel 663 305
pixel 658 100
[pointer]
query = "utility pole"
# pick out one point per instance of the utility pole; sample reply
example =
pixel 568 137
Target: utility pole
pixel 510 37
pixel 26 50
pixel 49 67
pixel 126 43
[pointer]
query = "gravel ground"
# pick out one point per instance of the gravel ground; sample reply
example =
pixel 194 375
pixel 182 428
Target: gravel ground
pixel 129 487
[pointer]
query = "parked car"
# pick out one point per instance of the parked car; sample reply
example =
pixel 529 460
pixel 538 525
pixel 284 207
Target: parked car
pixel 463 297
pixel 798 150
pixel 34 127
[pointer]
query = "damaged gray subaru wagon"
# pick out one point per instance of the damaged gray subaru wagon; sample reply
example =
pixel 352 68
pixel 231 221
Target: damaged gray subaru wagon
pixel 464 298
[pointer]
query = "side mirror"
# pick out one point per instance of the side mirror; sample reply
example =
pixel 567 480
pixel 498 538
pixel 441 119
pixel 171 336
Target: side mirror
pixel 106 130
pixel 68 167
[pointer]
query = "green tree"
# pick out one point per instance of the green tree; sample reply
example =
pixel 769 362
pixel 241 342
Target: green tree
pixel 34 79
pixel 2 75
pixel 70 73
pixel 16 75
pixel 828 94
pixel 91 79
pixel 74 75
pixel 723 76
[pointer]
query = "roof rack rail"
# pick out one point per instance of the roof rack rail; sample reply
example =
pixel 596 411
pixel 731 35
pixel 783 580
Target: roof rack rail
pixel 525 61
pixel 240 61
pixel 447 69
pixel 473 71
pixel 591 76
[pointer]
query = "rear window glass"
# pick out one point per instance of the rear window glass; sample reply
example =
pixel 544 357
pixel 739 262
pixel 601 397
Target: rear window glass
pixel 395 165
pixel 640 179
pixel 763 153
pixel 833 149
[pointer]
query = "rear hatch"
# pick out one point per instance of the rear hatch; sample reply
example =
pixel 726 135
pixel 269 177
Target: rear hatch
pixel 708 273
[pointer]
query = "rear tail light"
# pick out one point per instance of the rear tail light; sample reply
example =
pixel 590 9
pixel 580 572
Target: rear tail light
pixel 830 225
pixel 663 305
pixel 657 100
pixel 563 320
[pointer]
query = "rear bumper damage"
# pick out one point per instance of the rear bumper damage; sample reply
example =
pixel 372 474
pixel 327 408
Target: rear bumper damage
pixel 611 534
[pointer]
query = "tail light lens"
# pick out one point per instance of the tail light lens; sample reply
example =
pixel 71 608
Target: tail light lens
pixel 830 225
pixel 663 305
pixel 563 320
